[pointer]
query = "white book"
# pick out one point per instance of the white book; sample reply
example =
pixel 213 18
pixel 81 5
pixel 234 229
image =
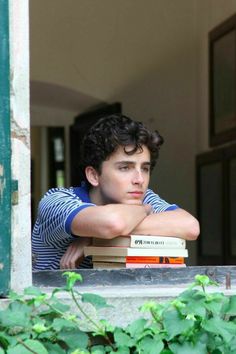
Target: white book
pixel 114 259
pixel 141 241
pixel 128 251
pixel 148 241
pixel 105 265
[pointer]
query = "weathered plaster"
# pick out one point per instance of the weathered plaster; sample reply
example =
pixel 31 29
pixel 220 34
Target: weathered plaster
pixel 21 274
pixel 2 181
pixel 19 133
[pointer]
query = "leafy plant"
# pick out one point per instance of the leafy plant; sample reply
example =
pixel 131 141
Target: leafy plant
pixel 194 322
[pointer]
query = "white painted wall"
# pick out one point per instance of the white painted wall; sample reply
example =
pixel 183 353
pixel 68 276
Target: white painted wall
pixel 21 274
pixel 142 54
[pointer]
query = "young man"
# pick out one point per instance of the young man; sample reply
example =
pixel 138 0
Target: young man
pixel 118 157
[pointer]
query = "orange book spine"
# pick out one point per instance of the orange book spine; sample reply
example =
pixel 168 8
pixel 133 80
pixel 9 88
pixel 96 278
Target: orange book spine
pixel 160 260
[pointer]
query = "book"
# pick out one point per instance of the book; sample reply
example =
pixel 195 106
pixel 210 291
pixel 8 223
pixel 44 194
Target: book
pixel 156 260
pixel 114 259
pixel 107 265
pixel 132 259
pixel 141 241
pixel 154 265
pixel 128 251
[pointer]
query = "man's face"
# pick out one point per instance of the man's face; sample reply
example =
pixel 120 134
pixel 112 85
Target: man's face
pixel 124 178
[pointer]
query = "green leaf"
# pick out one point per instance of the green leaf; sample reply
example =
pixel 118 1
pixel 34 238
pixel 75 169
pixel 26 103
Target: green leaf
pixel 122 339
pixel 32 290
pixel 195 307
pixel 214 307
pixel 60 323
pixel 192 294
pixel 96 300
pixel 204 280
pixel 71 279
pixel 60 306
pixel 4 340
pixel 74 338
pixel 188 348
pixel 54 348
pixel 174 324
pixel 150 345
pixel 39 327
pixel 220 327
pixel 121 350
pixel 48 335
pixel 13 296
pixel 34 345
pixel 17 314
pixel 230 308
pixel 136 327
pixel 98 349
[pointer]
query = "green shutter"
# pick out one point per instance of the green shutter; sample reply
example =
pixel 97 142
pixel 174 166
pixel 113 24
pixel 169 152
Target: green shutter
pixel 5 151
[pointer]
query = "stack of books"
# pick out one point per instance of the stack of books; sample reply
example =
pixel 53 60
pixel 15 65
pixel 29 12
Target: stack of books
pixel 138 251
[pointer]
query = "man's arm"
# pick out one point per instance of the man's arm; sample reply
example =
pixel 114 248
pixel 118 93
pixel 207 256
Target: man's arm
pixel 118 219
pixel 109 221
pixel 97 222
pixel 74 254
pixel 170 223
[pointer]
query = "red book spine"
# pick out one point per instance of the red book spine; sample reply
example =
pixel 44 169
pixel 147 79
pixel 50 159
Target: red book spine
pixel 160 260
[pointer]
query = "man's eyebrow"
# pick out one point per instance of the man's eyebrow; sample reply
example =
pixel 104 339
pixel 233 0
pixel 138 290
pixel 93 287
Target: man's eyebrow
pixel 123 161
pixel 132 162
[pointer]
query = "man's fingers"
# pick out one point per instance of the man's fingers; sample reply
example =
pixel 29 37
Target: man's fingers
pixel 73 256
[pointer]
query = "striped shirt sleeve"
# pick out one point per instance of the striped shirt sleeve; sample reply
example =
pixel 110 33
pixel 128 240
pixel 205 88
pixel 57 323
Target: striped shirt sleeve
pixel 158 204
pixel 56 211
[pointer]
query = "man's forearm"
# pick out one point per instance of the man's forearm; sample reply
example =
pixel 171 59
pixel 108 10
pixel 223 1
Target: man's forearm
pixel 169 223
pixel 109 221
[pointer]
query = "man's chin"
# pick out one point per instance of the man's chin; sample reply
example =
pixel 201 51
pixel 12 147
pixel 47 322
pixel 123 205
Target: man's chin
pixel 134 202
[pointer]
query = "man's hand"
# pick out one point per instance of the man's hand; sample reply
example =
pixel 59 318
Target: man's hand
pixel 177 223
pixel 74 254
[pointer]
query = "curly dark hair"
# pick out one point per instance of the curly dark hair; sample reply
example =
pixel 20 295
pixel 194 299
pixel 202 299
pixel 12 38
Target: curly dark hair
pixel 115 130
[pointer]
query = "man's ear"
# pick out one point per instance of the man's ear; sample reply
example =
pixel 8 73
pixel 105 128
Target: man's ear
pixel 92 176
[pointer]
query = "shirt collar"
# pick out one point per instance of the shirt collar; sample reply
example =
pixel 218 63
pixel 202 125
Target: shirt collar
pixel 82 192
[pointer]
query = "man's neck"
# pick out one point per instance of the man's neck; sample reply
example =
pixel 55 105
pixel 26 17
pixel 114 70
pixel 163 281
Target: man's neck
pixel 95 196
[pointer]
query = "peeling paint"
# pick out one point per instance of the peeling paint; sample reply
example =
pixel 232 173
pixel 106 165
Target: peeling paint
pixel 2 182
pixel 20 133
pixel 2 187
pixel 20 137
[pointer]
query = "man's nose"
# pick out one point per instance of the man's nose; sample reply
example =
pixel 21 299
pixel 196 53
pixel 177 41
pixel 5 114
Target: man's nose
pixel 138 177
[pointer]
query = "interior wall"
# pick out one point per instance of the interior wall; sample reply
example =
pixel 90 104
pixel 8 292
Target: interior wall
pixel 151 56
pixel 142 55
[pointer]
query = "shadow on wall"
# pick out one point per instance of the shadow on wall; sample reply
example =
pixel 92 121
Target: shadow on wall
pixel 60 97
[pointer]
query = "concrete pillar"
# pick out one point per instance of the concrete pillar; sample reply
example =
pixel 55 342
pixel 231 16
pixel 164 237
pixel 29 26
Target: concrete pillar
pixel 21 274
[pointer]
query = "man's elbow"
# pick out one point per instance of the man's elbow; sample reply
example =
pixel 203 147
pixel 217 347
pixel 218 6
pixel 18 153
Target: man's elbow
pixel 193 230
pixel 114 227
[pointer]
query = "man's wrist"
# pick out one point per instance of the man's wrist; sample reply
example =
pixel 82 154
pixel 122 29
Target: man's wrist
pixel 148 209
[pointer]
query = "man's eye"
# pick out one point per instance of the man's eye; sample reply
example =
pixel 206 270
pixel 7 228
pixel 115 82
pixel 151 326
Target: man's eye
pixel 123 168
pixel 146 169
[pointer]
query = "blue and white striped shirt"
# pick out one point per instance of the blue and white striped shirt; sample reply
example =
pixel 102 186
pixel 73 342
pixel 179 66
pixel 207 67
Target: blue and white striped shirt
pixel 52 230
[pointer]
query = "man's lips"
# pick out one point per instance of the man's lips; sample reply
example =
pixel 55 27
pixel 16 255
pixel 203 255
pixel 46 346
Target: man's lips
pixel 136 194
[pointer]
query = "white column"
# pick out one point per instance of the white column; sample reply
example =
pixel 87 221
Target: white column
pixel 21 273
